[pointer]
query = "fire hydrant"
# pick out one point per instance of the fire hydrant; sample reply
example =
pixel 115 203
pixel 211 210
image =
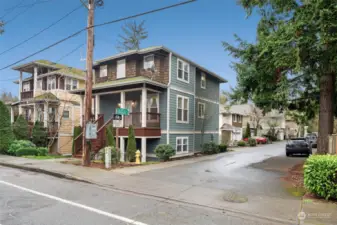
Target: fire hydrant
pixel 137 157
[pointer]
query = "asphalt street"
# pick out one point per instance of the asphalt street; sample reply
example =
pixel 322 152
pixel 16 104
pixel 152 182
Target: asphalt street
pixel 29 198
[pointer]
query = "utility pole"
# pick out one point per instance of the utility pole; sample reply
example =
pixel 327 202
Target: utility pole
pixel 88 82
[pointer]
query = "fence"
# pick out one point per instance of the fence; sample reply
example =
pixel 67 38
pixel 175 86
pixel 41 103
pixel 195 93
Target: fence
pixel 333 144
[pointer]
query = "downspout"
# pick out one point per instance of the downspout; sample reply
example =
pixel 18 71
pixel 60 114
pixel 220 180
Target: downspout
pixel 168 101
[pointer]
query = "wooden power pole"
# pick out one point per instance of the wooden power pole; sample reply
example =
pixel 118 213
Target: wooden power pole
pixel 88 82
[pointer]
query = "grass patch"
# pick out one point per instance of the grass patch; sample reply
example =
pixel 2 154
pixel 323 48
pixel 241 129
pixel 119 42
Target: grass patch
pixel 45 157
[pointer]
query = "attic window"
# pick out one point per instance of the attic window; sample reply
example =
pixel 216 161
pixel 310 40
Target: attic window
pixel 103 71
pixel 148 61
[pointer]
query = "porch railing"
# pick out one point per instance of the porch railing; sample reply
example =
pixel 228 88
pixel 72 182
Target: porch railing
pixel 135 119
pixel 26 94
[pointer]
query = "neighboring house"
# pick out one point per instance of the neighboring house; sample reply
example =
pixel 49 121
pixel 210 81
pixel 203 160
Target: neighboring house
pixel 230 125
pixel 171 100
pixel 44 96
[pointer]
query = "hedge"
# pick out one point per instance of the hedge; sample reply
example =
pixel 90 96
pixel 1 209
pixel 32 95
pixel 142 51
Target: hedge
pixel 27 151
pixel 18 144
pixel 164 152
pixel 210 148
pixel 241 143
pixel 6 133
pixel 320 175
pixel 223 148
pixel 252 142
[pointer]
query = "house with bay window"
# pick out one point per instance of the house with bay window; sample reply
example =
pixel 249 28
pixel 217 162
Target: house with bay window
pixel 171 100
pixel 44 95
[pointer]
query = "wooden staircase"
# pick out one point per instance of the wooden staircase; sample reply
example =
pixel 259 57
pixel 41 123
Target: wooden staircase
pixel 96 144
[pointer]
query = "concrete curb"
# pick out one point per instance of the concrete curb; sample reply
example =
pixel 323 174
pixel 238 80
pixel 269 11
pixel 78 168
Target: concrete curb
pixel 168 199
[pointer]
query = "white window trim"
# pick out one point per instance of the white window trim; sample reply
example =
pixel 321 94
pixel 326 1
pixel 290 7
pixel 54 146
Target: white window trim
pixel 234 118
pixel 188 109
pixel 189 72
pixel 144 63
pixel 203 116
pixel 51 80
pixel 203 75
pixel 26 85
pixel 103 67
pixel 68 110
pixel 182 141
pixel 118 76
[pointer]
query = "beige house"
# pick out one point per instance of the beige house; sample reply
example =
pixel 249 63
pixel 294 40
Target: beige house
pixel 230 125
pixel 44 95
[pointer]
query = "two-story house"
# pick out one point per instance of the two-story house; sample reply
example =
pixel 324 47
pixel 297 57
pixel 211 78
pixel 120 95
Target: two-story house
pixel 170 99
pixel 44 96
pixel 230 124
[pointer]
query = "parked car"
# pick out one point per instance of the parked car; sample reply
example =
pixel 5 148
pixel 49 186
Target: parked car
pixel 298 146
pixel 259 140
pixel 312 139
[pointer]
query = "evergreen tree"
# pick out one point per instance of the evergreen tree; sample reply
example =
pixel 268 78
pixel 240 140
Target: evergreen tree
pixel 39 135
pixel 110 136
pixel 131 145
pixel 6 133
pixel 20 128
pixel 247 131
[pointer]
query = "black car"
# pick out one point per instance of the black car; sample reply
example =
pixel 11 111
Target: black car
pixel 298 146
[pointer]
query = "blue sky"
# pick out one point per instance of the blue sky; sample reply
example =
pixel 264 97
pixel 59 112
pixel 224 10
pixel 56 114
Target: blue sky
pixel 194 30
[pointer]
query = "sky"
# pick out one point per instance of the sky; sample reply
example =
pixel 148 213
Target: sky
pixel 194 30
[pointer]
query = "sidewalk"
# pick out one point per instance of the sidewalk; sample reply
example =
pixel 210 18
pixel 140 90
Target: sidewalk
pixel 274 209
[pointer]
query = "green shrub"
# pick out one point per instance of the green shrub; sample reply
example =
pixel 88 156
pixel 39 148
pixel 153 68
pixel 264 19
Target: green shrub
pixel 18 144
pixel 20 128
pixel 27 151
pixel 39 134
pixel 210 148
pixel 6 133
pixel 252 142
pixel 42 151
pixel 247 131
pixel 110 136
pixel 131 145
pixel 223 148
pixel 320 175
pixel 77 131
pixel 241 143
pixel 164 152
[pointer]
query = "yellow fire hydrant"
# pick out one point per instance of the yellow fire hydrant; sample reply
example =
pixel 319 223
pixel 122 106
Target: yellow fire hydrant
pixel 137 157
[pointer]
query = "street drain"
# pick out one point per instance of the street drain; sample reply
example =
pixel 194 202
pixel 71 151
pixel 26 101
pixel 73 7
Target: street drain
pixel 232 196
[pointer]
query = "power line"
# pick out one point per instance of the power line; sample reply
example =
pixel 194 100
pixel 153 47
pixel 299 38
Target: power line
pixel 98 25
pixel 19 14
pixel 12 9
pixel 41 31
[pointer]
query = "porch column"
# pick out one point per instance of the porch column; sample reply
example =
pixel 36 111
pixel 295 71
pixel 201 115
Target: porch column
pixel 97 105
pixel 143 149
pixel 35 80
pixel 122 149
pixel 12 114
pixel 35 113
pixel 20 86
pixel 45 114
pixel 122 105
pixel 144 106
pixel 81 110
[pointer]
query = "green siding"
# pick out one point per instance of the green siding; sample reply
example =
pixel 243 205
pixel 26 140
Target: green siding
pixel 199 139
pixel 174 76
pixel 212 87
pixel 151 144
pixel 211 121
pixel 163 109
pixel 173 112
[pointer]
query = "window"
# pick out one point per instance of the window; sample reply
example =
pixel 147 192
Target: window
pixel 68 83
pixel 183 71
pixel 234 117
pixel 121 68
pixel 51 83
pixel 182 109
pixel 239 118
pixel 39 84
pixel 181 144
pixel 103 71
pixel 201 110
pixel 26 87
pixel 148 61
pixel 203 81
pixel 74 84
pixel 65 114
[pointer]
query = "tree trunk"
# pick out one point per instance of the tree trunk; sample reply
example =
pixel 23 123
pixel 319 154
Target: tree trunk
pixel 326 112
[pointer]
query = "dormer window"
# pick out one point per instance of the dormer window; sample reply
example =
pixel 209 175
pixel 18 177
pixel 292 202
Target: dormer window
pixel 103 71
pixel 148 62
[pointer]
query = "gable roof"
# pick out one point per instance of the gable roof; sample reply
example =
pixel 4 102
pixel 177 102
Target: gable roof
pixel 156 48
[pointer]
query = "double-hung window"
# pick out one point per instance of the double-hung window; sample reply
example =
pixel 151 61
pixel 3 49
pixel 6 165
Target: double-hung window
pixel 234 117
pixel 68 83
pixel 182 109
pixel 183 71
pixel 103 71
pixel 201 110
pixel 26 87
pixel 39 84
pixel 181 144
pixel 74 84
pixel 149 62
pixel 203 81
pixel 51 83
